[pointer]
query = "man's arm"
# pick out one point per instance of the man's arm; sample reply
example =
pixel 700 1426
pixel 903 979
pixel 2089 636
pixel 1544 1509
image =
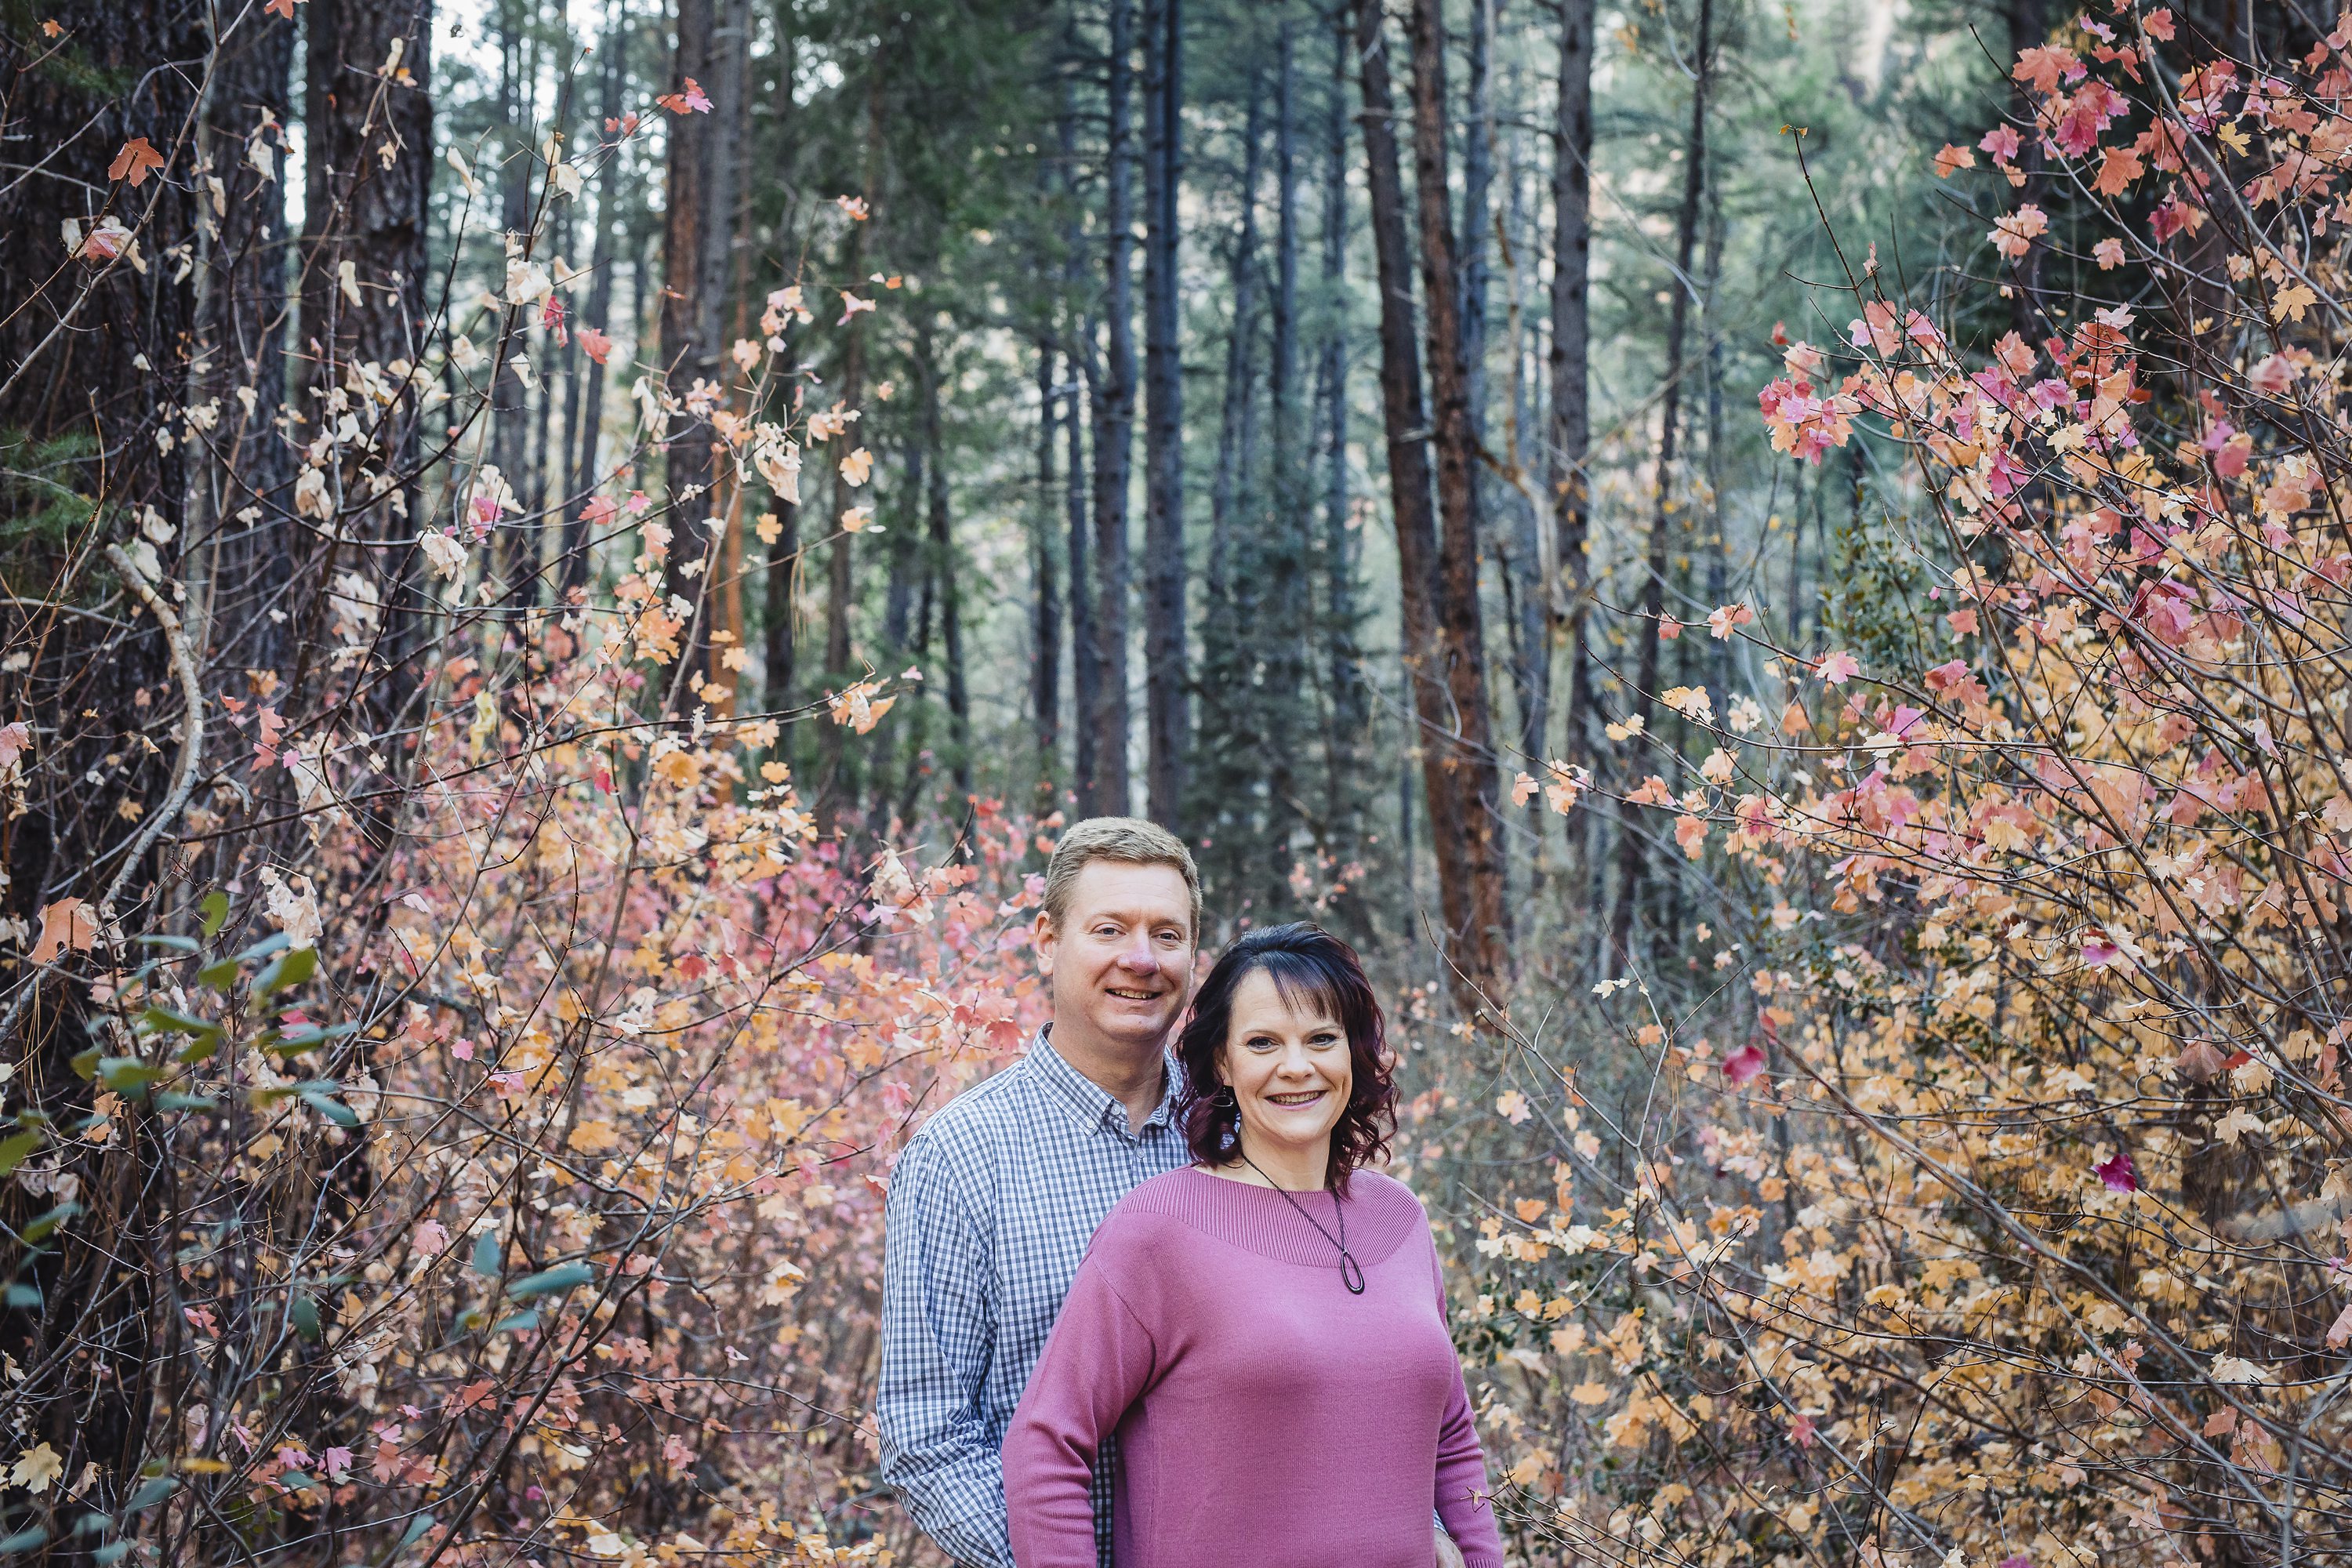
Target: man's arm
pixel 938 1331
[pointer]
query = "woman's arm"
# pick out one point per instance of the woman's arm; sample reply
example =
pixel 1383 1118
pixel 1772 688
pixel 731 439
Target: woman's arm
pixel 1097 1362
pixel 1462 1489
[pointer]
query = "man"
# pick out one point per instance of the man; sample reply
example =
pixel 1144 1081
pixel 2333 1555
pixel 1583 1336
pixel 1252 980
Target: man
pixel 994 1200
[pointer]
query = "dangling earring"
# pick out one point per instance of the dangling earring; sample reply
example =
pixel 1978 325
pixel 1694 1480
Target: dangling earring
pixel 1225 1095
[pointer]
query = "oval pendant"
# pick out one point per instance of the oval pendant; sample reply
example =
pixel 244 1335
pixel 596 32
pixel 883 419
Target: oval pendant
pixel 1352 1274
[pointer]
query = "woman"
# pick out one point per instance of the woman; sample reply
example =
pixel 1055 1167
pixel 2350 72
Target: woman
pixel 1264 1330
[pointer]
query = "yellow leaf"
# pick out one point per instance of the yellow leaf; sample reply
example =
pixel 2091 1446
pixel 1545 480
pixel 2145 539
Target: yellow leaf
pixel 2293 302
pixel 1589 1393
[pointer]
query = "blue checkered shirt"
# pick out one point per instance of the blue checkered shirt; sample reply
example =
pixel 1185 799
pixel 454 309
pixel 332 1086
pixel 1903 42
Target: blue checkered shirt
pixel 992 1206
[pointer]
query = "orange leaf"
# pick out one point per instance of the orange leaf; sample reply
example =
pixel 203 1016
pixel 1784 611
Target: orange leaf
pixel 281 8
pixel 137 157
pixel 67 924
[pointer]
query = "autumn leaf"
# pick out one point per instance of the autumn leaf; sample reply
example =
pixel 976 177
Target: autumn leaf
pixel 857 468
pixel 1512 1107
pixel 593 343
pixel 37 1467
pixel 1743 1066
pixel 136 159
pixel 67 925
pixel 282 8
pixel 1952 159
pixel 1837 669
pixel 2116 1173
pixel 691 100
pixel 2293 301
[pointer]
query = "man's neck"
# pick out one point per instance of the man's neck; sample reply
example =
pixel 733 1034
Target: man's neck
pixel 1135 1080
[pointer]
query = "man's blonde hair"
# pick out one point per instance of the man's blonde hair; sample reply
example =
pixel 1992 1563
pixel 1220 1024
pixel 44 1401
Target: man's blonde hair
pixel 1128 840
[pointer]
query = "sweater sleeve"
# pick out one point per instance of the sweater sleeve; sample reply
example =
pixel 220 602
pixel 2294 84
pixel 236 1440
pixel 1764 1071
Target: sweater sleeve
pixel 1097 1361
pixel 1461 1490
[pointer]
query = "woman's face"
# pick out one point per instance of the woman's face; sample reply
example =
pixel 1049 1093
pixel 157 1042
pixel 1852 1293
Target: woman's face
pixel 1289 1072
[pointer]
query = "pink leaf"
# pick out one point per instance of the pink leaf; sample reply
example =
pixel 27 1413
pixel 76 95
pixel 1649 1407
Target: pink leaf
pixel 2117 1174
pixel 1744 1066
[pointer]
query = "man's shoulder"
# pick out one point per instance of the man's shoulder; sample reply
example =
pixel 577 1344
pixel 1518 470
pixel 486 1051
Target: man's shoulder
pixel 985 1112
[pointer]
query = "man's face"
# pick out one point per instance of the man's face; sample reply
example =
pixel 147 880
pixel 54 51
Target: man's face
pixel 1120 964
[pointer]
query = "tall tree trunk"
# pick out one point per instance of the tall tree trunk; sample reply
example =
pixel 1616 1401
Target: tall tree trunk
pixel 1078 349
pixel 1407 423
pixel 1568 590
pixel 510 397
pixel 573 573
pixel 1288 530
pixel 1350 700
pixel 1483 944
pixel 836 794
pixel 1167 722
pixel 1107 792
pixel 1045 595
pixel 1632 856
pixel 371 216
pixel 238 567
pixel 93 355
pixel 1227 486
pixel 949 576
pixel 713 37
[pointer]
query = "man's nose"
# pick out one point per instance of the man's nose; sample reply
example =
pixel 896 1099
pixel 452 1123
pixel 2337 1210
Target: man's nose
pixel 1136 952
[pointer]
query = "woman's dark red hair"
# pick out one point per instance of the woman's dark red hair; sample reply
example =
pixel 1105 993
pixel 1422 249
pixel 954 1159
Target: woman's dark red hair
pixel 1307 965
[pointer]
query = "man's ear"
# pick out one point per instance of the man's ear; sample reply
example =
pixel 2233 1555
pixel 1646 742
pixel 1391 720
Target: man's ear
pixel 1042 937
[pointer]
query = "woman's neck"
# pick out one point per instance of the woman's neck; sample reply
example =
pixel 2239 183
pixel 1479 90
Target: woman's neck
pixel 1292 1167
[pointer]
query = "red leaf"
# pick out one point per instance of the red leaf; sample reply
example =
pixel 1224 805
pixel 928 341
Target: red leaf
pixel 593 343
pixel 2117 1174
pixel 137 157
pixel 1744 1066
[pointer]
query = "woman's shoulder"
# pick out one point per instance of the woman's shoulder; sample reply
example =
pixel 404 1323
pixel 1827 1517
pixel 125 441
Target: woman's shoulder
pixel 1378 1190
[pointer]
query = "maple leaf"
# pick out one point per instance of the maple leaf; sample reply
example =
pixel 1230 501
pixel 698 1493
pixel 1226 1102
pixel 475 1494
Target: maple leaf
pixel 691 100
pixel 67 925
pixel 281 8
pixel 2293 301
pixel 595 344
pixel 138 156
pixel 1952 159
pixel 2108 253
pixel 1837 669
pixel 36 1467
pixel 50 29
pixel 1744 1066
pixel 1512 1107
pixel 2116 1173
pixel 850 306
pixel 1724 618
pixel 858 466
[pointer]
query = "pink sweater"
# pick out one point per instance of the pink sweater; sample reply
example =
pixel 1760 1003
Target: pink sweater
pixel 1267 1418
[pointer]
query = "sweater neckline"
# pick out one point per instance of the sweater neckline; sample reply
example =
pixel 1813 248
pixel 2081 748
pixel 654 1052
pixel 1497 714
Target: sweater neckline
pixel 1291 1227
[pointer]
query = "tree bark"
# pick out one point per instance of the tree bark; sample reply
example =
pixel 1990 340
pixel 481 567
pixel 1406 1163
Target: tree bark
pixel 1569 592
pixel 713 37
pixel 1046 592
pixel 1406 421
pixel 1106 792
pixel 1350 700
pixel 948 577
pixel 241 551
pixel 1481 945
pixel 1289 529
pixel 1167 720
pixel 572 573
pixel 1633 847
pixel 1085 654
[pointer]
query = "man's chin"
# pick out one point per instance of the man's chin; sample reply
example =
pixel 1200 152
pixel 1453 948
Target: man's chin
pixel 1130 1027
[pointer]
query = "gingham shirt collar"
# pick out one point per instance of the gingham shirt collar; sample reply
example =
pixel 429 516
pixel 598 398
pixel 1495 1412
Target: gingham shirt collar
pixel 1093 1105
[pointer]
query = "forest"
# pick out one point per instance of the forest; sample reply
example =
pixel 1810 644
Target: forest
pixel 1782 568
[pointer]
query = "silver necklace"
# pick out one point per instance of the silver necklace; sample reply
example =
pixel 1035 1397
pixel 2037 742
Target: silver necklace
pixel 1352 1273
